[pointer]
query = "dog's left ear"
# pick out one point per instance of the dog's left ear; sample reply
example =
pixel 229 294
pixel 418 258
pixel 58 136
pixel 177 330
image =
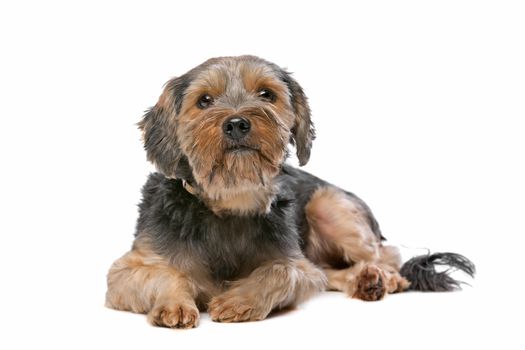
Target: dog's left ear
pixel 303 132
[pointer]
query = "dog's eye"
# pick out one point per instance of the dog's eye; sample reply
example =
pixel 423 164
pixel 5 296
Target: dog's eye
pixel 205 101
pixel 267 95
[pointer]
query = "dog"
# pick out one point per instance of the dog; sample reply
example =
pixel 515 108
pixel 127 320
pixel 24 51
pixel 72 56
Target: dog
pixel 226 226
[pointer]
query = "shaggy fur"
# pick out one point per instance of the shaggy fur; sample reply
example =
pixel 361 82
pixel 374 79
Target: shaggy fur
pixel 421 270
pixel 226 226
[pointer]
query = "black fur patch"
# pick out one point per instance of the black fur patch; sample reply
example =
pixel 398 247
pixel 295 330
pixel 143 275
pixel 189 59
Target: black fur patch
pixel 422 274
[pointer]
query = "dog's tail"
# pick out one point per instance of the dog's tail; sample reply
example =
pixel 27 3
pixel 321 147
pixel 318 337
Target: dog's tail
pixel 421 272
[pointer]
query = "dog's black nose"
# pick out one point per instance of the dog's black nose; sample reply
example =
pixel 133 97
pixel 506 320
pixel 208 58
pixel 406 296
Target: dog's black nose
pixel 236 127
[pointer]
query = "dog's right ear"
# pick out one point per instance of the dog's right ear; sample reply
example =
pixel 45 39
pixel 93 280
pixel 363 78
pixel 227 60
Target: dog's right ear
pixel 159 127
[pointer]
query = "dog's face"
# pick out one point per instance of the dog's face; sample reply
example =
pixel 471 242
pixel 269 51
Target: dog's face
pixel 228 122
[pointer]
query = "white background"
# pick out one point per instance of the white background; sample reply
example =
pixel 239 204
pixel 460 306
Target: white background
pixel 419 108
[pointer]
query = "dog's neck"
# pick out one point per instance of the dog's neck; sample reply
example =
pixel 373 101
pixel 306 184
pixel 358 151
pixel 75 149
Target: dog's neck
pixel 248 201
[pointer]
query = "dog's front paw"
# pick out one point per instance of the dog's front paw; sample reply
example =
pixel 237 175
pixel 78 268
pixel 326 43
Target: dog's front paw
pixel 370 284
pixel 174 315
pixel 235 308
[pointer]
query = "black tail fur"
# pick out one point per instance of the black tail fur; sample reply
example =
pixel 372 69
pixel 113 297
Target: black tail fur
pixel 421 272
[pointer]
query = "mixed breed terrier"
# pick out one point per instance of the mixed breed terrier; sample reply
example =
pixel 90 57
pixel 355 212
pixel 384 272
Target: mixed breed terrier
pixel 227 226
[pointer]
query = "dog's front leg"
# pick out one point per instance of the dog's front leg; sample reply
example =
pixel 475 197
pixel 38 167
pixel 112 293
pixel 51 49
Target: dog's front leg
pixel 143 282
pixel 274 285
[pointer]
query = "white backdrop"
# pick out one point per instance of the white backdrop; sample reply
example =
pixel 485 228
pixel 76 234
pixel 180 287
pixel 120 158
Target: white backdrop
pixel 419 108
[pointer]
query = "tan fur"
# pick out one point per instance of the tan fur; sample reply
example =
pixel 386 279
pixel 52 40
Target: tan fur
pixel 339 232
pixel 251 200
pixel 272 286
pixel 338 226
pixel 144 282
pixel 361 280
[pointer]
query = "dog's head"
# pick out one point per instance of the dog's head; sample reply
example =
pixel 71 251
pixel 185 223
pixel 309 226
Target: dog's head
pixel 227 123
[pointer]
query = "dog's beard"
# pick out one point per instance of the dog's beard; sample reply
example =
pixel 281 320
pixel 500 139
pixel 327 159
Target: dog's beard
pixel 243 166
pixel 236 171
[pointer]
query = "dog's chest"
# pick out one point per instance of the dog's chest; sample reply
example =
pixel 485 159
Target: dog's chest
pixel 232 247
pixel 184 230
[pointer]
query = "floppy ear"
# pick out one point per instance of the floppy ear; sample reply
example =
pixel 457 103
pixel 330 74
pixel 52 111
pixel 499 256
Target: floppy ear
pixel 158 128
pixel 303 132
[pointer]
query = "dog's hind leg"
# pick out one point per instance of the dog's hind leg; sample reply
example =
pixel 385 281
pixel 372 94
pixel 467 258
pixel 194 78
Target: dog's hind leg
pixel 143 282
pixel 366 281
pixel 344 238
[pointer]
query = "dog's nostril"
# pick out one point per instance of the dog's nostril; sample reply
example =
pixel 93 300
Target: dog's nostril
pixel 244 126
pixel 236 127
pixel 228 128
